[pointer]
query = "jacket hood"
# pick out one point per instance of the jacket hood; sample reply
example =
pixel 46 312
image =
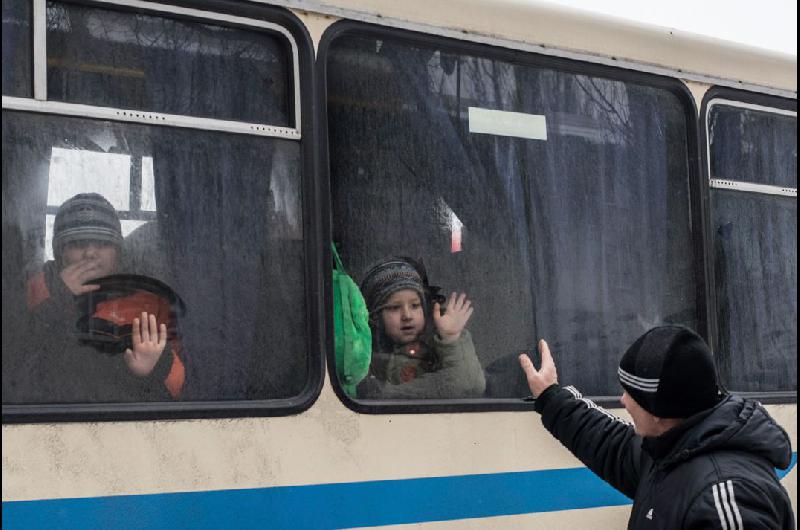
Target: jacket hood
pixel 735 424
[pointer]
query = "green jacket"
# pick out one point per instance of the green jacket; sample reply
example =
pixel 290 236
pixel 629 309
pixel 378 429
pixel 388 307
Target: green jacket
pixel 456 374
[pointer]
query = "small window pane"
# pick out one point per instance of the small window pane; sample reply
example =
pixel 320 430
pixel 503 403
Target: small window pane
pixel 17 55
pixel 753 146
pixel 222 230
pixel 575 229
pixel 153 63
pixel 755 238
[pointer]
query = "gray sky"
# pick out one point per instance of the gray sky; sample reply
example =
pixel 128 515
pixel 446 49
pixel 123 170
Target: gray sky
pixel 770 24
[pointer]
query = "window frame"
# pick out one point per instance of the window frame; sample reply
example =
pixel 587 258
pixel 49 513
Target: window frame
pixel 313 272
pixel 526 58
pixel 719 95
pixel 40 103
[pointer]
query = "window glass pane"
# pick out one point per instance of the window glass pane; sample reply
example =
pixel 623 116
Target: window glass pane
pixel 753 146
pixel 755 238
pixel 217 230
pixel 152 63
pixel 17 55
pixel 574 227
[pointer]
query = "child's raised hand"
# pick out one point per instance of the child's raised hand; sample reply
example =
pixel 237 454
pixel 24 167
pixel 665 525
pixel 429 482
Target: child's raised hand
pixel 457 311
pixel 149 340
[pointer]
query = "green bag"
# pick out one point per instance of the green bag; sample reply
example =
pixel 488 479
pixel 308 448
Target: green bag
pixel 352 336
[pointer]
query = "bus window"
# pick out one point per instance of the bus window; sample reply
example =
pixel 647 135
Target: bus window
pixel 555 195
pixel 753 170
pixel 152 63
pixel 212 219
pixel 17 75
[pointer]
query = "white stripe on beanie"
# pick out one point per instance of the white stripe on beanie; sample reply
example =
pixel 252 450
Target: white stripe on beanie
pixel 639 383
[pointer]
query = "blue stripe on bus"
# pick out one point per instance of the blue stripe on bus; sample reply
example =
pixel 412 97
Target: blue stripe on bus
pixel 343 505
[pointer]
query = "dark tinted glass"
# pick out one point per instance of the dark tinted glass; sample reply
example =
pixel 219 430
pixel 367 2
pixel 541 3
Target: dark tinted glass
pixel 215 217
pixel 755 237
pixel 17 64
pixel 582 238
pixel 753 146
pixel 152 63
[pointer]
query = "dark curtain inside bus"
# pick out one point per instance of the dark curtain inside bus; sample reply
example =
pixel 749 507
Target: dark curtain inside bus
pixel 753 146
pixel 152 63
pixel 24 163
pixel 755 241
pixel 756 284
pixel 17 50
pixel 231 213
pixel 582 238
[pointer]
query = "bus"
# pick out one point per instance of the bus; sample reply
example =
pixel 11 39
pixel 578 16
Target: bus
pixel 581 178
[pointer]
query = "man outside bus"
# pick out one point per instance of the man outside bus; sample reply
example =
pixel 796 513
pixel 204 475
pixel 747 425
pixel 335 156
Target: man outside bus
pixel 695 458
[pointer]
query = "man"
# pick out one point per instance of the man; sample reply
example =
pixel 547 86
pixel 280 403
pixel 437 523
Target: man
pixel 694 459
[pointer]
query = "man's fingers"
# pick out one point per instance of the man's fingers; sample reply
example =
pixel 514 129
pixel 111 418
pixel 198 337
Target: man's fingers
pixel 544 349
pixel 527 366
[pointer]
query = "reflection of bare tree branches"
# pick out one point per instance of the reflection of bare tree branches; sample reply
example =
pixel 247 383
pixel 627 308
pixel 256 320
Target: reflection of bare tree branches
pixel 597 96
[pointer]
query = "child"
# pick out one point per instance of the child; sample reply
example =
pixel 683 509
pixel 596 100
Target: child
pixel 411 360
pixel 87 242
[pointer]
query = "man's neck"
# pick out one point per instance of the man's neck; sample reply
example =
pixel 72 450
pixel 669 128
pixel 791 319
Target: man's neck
pixel 665 425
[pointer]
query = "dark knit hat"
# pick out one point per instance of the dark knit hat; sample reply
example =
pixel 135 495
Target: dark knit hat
pixel 388 277
pixel 669 372
pixel 86 216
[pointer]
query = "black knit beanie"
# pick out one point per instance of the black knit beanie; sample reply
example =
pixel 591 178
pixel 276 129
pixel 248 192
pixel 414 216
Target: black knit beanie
pixel 669 372
pixel 85 217
pixel 388 277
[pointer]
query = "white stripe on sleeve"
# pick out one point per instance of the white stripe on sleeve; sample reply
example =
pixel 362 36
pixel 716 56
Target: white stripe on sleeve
pixel 720 513
pixel 726 505
pixel 735 507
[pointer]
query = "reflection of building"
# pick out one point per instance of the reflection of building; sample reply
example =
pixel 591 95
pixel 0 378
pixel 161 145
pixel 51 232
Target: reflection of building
pixel 127 182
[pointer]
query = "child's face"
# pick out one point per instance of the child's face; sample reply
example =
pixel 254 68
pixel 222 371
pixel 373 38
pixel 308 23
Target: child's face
pixel 101 255
pixel 403 317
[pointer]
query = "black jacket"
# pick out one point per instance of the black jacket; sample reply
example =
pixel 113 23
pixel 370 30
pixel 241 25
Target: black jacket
pixel 714 471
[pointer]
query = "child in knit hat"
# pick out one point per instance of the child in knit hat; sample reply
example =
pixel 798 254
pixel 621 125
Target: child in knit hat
pixel 412 358
pixel 87 243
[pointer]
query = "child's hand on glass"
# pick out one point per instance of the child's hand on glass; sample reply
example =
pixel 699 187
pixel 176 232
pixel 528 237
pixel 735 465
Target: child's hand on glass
pixel 450 324
pixel 149 340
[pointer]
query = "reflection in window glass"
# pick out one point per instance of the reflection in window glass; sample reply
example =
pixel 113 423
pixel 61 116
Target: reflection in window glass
pixel 756 146
pixel 581 236
pixel 17 51
pixel 77 170
pixel 137 61
pixel 755 243
pixel 148 185
pixel 221 253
